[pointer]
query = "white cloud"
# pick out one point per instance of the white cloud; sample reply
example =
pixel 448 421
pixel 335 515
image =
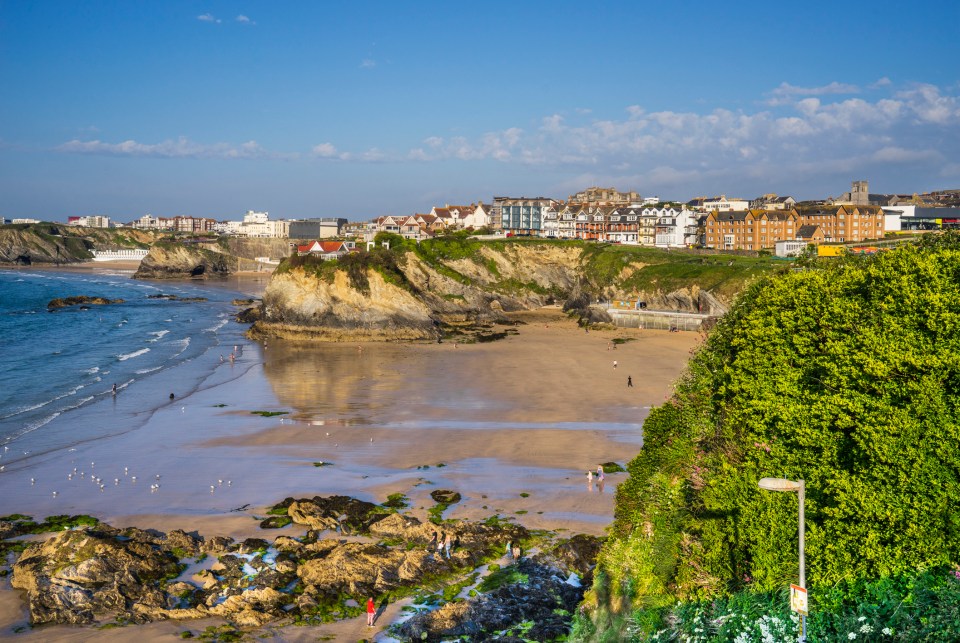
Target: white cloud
pixel 368 63
pixel 179 148
pixel 812 136
pixel 786 92
pixel 881 82
pixel 244 20
pixel 928 106
pixel 325 150
pixel 208 17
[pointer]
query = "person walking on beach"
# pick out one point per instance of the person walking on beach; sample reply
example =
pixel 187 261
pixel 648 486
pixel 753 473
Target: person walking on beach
pixel 600 472
pixel 614 363
pixel 371 612
pixel 447 543
pixel 433 542
pixel 114 389
pixel 629 382
pixel 440 545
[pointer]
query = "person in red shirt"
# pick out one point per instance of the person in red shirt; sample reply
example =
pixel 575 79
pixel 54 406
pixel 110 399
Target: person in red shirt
pixel 371 612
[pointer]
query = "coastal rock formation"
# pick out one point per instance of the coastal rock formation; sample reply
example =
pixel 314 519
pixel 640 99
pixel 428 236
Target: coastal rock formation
pixel 536 604
pixel 458 292
pixel 101 575
pixel 51 243
pixel 177 261
pixel 65 302
pixel 301 306
pixel 77 574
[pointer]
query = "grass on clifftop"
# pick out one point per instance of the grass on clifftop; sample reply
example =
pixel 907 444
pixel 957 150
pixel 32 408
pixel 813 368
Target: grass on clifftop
pixel 602 266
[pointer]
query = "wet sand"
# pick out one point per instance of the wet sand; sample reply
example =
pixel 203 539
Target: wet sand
pixel 529 414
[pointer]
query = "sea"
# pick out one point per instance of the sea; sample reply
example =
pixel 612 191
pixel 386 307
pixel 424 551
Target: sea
pixel 58 367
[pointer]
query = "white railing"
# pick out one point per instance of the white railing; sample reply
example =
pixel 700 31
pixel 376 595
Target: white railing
pixel 123 254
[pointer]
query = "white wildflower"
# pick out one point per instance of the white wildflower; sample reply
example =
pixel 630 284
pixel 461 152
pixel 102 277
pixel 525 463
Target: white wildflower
pixel 866 628
pixel 852 635
pixel 887 631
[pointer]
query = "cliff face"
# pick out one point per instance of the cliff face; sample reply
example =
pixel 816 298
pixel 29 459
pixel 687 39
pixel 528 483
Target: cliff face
pixel 301 306
pixel 170 261
pixel 51 243
pixel 430 295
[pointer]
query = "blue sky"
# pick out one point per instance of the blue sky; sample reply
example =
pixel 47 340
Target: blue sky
pixel 367 108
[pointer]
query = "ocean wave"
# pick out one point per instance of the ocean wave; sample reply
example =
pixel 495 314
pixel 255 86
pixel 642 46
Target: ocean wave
pixel 157 335
pixel 40 405
pixel 39 423
pixel 144 371
pixel 25 409
pixel 216 326
pixel 92 370
pixel 185 342
pixel 123 358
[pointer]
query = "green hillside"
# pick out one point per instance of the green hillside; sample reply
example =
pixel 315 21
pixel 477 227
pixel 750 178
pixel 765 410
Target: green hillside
pixel 846 375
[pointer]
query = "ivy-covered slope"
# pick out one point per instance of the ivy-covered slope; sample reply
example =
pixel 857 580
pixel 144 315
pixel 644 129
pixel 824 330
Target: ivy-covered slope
pixel 847 376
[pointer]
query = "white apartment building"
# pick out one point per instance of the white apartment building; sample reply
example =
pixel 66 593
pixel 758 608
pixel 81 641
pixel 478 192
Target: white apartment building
pixel 676 228
pixel 90 221
pixel 723 204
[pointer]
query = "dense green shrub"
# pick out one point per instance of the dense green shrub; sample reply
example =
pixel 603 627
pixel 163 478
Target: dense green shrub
pixel 847 377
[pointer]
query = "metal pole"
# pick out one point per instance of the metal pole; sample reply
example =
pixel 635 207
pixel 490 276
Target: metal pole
pixel 803 571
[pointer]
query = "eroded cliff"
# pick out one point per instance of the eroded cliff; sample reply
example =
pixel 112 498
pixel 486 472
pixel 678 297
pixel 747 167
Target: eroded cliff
pixel 444 287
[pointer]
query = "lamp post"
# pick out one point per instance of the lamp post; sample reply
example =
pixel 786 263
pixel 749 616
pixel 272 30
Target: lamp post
pixel 782 484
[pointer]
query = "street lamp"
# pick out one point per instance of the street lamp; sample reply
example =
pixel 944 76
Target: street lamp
pixel 782 484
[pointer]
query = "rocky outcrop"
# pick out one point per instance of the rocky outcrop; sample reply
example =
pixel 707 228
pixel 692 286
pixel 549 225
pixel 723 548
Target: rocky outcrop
pixel 80 300
pixel 536 606
pixel 100 574
pixel 53 243
pixel 77 574
pixel 176 261
pixel 297 305
pixel 422 296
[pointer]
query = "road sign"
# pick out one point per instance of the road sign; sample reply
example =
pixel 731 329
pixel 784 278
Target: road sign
pixel 798 599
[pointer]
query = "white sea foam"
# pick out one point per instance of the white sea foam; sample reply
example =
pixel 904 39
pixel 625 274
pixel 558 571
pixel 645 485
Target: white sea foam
pixel 143 371
pixel 185 342
pixel 123 358
pixel 216 326
pixel 92 370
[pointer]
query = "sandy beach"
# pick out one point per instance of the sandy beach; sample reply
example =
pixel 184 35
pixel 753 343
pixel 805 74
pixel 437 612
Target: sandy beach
pixel 528 415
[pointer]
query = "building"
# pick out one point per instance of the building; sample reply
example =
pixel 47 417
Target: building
pixel 749 229
pixel 146 222
pixel 192 225
pixel 911 218
pixel 90 221
pixel 675 228
pixel 480 217
pixel 847 223
pixel 773 202
pixel 606 196
pixel 522 216
pixel 723 204
pixel 789 248
pixel 318 228
pixel 327 250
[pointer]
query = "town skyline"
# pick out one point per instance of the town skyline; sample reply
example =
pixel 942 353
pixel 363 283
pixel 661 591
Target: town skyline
pixel 306 110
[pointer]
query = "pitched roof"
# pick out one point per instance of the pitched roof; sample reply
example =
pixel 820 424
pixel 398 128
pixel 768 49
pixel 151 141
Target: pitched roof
pixel 807 231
